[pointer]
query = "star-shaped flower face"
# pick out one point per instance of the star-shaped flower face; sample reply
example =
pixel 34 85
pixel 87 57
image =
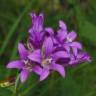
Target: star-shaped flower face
pixel 24 64
pixel 48 59
pixel 67 40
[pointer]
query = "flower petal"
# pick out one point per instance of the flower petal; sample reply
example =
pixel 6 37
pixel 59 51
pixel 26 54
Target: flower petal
pixel 60 54
pixel 61 35
pixel 71 36
pixel 33 16
pixel 83 56
pixel 35 56
pixel 37 21
pixel 15 64
pixel 48 46
pixel 87 58
pixel 22 51
pixel 62 25
pixel 37 39
pixel 76 44
pixel 41 18
pixel 24 75
pixel 44 74
pixel 50 31
pixel 73 60
pixel 67 48
pixel 37 24
pixel 59 68
pixel 37 69
pixel 75 51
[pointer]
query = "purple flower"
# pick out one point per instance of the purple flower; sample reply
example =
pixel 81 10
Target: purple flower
pixel 37 23
pixel 24 64
pixel 36 31
pixel 80 58
pixel 66 40
pixel 47 51
pixel 49 59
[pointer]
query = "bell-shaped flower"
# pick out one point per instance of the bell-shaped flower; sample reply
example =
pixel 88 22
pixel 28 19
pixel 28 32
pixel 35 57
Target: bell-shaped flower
pixel 36 31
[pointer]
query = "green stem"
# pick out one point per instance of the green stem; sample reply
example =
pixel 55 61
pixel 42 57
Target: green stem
pixel 15 91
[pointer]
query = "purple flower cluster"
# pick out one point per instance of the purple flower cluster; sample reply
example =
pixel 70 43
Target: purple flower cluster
pixel 47 51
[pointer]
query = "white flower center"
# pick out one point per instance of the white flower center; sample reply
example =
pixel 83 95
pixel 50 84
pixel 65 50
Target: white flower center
pixel 28 65
pixel 29 45
pixel 69 39
pixel 46 62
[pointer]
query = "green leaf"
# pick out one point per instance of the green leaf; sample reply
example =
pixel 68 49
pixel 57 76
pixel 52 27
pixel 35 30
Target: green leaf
pixel 5 92
pixel 86 29
pixel 16 83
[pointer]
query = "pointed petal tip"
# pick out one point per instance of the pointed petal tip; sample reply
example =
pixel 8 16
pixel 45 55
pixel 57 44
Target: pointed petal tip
pixel 15 64
pixel 20 44
pixel 41 14
pixel 23 52
pixel 44 74
pixel 72 36
pixel 50 31
pixel 59 68
pixel 7 66
pixel 32 14
pixel 62 25
pixel 40 79
pixel 76 45
pixel 24 75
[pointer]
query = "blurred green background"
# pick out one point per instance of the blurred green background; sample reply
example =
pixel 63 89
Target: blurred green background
pixel 79 15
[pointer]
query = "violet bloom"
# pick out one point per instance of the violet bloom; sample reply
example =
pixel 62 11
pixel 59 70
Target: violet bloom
pixel 24 64
pixel 80 58
pixel 48 59
pixel 66 40
pixel 47 51
pixel 36 30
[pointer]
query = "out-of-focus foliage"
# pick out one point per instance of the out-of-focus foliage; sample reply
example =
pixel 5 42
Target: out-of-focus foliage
pixel 79 15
